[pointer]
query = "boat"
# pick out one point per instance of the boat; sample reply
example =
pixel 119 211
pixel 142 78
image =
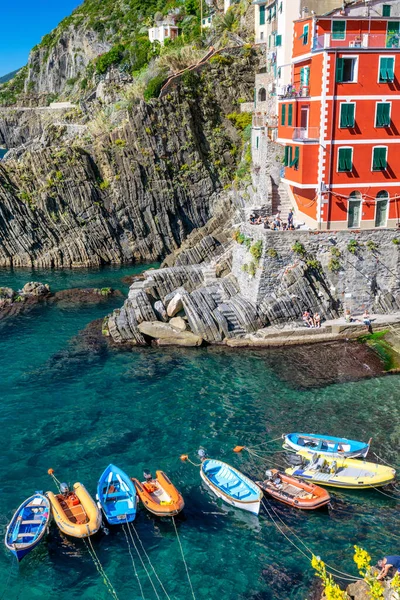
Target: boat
pixel 75 511
pixel 231 485
pixel 116 496
pixel 28 525
pixel 347 473
pixel 293 492
pixel 325 445
pixel 159 495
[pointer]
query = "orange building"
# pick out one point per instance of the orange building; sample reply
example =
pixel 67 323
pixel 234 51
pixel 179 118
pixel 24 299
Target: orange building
pixel 339 120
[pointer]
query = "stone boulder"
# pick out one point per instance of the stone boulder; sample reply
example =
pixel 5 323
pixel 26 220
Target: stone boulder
pixel 175 305
pixel 167 335
pixel 35 288
pixel 7 293
pixel 178 323
pixel 160 311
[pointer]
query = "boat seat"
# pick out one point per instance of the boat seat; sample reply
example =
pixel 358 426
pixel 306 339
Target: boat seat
pixel 115 495
pixel 22 535
pixel 31 522
pixel 36 505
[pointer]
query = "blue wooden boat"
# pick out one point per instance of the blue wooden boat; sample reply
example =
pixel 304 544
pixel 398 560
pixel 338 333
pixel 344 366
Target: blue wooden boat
pixel 28 525
pixel 326 445
pixel 116 496
pixel 231 485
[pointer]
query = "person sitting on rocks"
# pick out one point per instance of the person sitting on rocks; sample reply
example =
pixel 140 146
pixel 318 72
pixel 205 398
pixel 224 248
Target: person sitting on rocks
pixel 277 222
pixel 317 320
pixel 387 563
pixel 307 319
pixel 367 321
pixel 252 219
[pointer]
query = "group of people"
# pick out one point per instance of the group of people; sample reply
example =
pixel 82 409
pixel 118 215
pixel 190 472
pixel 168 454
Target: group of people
pixel 366 319
pixel 311 320
pixel 275 223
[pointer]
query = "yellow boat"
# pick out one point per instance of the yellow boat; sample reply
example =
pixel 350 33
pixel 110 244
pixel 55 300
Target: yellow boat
pixel 350 473
pixel 75 511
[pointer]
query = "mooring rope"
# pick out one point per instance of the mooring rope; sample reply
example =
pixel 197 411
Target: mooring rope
pixel 384 494
pixel 267 442
pixel 141 560
pixel 99 567
pixel 150 563
pixel 385 462
pixel 347 576
pixel 183 558
pixel 133 562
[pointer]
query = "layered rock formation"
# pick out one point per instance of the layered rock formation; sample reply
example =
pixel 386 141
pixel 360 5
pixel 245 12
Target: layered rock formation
pixel 13 302
pixel 133 194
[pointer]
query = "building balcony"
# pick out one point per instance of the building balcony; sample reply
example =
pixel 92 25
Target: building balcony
pixel 357 40
pixel 305 134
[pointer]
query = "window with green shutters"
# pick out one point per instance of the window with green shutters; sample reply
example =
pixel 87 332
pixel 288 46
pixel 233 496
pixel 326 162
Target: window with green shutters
pixel 386 10
pixel 295 160
pixel 347 110
pixel 283 114
pixel 304 76
pixel 280 7
pixel 304 35
pixel 393 34
pixel 379 159
pixel 338 30
pixel 269 15
pixel 288 156
pixel 345 159
pixel 262 15
pixel 386 69
pixel 382 118
pixel 278 40
pixel 346 70
pixel 290 114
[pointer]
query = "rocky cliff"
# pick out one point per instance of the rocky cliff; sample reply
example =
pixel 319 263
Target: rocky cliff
pixel 132 193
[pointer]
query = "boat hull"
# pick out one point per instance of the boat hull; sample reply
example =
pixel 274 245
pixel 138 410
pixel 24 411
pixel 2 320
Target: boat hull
pixel 353 448
pixel 346 473
pixel 78 530
pixel 252 506
pixel 310 496
pixel 118 506
pixel 30 520
pixel 174 502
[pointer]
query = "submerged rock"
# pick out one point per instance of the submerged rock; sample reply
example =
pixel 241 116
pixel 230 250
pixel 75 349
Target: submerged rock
pixel 76 296
pixel 13 303
pixel 167 335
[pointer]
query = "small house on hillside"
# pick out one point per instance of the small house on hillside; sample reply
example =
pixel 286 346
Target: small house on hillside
pixel 163 30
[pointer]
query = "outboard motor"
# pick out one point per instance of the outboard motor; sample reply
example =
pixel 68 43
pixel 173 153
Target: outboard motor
pixel 147 475
pixel 268 475
pixel 64 488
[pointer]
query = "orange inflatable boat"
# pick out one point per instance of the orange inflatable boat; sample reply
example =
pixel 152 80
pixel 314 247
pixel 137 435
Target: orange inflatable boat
pixel 289 490
pixel 159 495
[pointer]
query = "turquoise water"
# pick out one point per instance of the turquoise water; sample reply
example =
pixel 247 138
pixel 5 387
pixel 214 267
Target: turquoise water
pixel 2 152
pixel 142 409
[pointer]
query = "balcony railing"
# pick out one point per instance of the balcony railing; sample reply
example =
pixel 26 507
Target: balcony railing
pixel 305 134
pixel 357 40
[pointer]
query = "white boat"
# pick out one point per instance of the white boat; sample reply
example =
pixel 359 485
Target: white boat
pixel 325 445
pixel 231 485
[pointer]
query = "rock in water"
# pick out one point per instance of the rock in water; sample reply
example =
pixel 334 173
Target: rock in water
pixel 175 305
pixel 160 311
pixel 167 335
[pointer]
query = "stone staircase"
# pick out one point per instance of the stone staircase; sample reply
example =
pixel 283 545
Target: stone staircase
pixel 281 200
pixel 209 274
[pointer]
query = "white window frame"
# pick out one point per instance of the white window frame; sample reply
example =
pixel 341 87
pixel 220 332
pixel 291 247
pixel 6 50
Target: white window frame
pixel 355 57
pixel 387 210
pixel 379 65
pixel 345 30
pixel 337 158
pixel 372 158
pixel 340 112
pixel 383 101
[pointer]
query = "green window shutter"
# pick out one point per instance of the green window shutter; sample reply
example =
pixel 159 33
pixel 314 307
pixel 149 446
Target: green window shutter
pixel 383 70
pixel 338 30
pixel 304 76
pixel 379 161
pixel 350 115
pixel 339 70
pixel 346 115
pixel 345 162
pixel 386 10
pixel 280 7
pixel 295 161
pixel 278 40
pixel 343 115
pixel 305 35
pixel 257 142
pixel 269 41
pixel 262 15
pixel 290 114
pixel 382 114
pixel 269 15
pixel 283 114
pixel 288 156
pixel 390 69
pixel 274 11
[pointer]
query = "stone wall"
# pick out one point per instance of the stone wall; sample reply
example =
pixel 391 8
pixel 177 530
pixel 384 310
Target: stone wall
pixel 368 278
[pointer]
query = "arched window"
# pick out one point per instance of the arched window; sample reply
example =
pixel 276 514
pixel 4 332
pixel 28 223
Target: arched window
pixel 262 95
pixel 382 205
pixel 354 210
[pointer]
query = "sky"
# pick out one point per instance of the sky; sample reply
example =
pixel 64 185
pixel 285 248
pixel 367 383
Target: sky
pixel 22 25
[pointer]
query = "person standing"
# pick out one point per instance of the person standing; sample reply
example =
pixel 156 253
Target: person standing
pixel 290 219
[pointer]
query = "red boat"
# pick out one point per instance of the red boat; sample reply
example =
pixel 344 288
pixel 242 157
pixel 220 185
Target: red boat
pixel 289 490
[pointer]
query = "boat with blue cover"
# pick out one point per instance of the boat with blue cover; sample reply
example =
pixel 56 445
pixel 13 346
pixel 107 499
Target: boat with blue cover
pixel 28 525
pixel 231 485
pixel 117 496
pixel 326 445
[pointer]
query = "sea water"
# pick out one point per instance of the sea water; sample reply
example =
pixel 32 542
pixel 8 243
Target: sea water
pixel 73 412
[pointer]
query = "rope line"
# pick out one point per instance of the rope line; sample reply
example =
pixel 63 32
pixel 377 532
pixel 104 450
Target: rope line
pixel 99 567
pixel 141 560
pixel 150 563
pixel 385 462
pixel 384 494
pixel 133 562
pixel 183 558
pixel 268 442
pixel 347 577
